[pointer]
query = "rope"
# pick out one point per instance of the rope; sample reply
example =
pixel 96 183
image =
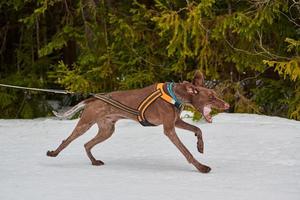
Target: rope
pixel 37 89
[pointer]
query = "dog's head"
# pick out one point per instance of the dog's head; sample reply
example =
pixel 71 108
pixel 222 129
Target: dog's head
pixel 200 97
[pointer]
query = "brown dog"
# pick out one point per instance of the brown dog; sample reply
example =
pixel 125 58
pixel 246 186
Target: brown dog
pixel 154 110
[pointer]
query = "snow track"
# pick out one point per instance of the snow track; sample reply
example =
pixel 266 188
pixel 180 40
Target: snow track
pixel 251 156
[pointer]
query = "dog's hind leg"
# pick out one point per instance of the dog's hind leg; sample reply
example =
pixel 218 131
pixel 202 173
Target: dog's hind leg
pixel 106 129
pixel 82 126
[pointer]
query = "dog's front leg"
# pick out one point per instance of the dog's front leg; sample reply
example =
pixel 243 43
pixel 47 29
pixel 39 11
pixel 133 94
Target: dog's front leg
pixel 198 133
pixel 170 132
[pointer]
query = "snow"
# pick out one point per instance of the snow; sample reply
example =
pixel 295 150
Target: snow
pixel 251 156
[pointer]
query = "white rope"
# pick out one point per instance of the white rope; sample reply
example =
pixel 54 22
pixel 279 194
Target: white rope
pixel 37 89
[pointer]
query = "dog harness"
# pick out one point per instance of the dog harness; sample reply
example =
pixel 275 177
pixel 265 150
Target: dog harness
pixel 168 96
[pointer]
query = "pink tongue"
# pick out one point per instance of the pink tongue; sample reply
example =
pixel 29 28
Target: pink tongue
pixel 206 110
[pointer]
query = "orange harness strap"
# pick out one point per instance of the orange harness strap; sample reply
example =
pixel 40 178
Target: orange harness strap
pixel 159 92
pixel 144 105
pixel 164 95
pixel 140 112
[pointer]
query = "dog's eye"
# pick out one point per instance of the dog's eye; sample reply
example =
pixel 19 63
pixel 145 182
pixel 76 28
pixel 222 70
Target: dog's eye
pixel 211 97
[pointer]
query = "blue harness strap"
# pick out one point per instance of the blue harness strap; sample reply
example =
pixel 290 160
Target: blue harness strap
pixel 177 102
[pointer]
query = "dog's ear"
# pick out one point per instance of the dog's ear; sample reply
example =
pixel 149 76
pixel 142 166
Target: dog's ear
pixel 198 80
pixel 191 89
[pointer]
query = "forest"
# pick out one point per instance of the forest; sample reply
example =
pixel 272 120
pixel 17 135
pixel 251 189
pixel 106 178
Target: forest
pixel 248 50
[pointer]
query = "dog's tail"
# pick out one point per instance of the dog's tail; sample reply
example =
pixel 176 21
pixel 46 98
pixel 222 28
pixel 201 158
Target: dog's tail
pixel 70 113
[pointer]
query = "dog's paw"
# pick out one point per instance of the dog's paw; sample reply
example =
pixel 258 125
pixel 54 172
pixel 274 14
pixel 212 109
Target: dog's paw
pixel 51 153
pixel 203 168
pixel 97 163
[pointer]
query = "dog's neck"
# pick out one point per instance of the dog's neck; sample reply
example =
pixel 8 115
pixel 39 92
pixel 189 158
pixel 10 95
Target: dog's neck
pixel 181 94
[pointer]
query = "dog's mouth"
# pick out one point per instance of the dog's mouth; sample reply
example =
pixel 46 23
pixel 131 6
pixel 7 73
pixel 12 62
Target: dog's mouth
pixel 206 113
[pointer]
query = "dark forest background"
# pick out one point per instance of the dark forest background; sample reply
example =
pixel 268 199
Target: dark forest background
pixel 247 49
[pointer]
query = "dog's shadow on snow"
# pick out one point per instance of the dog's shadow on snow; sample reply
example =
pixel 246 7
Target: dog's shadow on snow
pixel 150 164
pixel 127 164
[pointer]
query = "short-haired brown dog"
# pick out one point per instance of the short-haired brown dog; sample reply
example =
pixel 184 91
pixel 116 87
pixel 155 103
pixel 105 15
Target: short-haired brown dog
pixel 157 104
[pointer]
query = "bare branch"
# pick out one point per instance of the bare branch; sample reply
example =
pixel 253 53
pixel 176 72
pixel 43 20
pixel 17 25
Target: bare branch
pixel 37 24
pixel 273 56
pixel 67 7
pixel 5 30
pixel 142 58
pixel 254 77
pixel 245 51
pixel 290 19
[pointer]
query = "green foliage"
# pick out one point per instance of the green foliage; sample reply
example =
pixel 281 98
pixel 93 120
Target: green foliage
pixel 285 68
pixel 22 104
pixel 273 96
pixel 6 100
pixel 294 104
pixel 235 95
pixel 291 67
pixel 101 46
pixel 188 36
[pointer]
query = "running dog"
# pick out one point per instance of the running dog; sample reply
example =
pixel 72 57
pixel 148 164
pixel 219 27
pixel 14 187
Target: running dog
pixel 157 104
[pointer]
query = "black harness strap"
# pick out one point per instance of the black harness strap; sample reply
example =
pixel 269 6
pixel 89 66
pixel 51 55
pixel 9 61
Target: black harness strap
pixel 144 105
pixel 140 111
pixel 116 104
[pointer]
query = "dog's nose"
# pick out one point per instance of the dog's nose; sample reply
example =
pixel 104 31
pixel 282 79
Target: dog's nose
pixel 226 106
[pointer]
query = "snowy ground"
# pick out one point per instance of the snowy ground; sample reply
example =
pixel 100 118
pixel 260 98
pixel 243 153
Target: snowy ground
pixel 251 156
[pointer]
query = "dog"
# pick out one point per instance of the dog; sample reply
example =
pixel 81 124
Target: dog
pixel 157 104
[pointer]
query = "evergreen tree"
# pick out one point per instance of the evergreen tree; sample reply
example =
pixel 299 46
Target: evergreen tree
pixel 249 49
